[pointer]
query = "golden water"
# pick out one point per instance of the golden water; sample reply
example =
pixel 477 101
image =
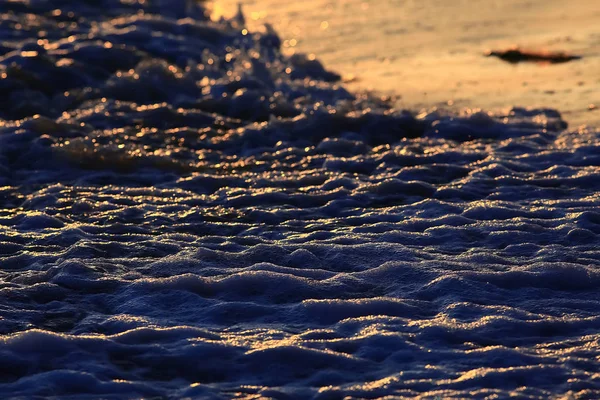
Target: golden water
pixel 430 52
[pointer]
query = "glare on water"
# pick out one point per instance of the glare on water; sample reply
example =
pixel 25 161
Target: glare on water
pixel 430 52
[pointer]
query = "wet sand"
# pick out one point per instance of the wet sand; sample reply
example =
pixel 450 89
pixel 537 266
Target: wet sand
pixel 431 53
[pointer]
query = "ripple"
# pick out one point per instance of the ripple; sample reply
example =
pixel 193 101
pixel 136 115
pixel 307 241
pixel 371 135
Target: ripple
pixel 187 212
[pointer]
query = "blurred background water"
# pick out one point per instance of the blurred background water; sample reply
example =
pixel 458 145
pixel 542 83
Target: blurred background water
pixel 431 52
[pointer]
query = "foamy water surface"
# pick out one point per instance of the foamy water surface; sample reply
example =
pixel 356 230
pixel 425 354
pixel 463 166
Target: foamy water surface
pixel 186 213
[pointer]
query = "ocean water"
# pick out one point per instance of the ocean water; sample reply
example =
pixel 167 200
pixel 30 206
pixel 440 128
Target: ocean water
pixel 430 53
pixel 187 213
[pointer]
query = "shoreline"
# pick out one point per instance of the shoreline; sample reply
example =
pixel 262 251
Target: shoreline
pixel 428 62
pixel 188 213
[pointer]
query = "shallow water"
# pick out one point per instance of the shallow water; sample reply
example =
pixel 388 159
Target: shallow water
pixel 430 53
pixel 185 212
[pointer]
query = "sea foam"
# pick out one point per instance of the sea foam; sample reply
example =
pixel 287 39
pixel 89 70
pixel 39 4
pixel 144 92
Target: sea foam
pixel 186 212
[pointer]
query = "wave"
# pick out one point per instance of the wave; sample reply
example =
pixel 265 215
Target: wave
pixel 187 212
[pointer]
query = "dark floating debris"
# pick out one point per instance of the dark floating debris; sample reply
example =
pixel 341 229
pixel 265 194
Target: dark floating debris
pixel 516 55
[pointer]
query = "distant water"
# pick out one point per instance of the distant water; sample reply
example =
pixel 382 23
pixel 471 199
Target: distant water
pixel 430 53
pixel 187 213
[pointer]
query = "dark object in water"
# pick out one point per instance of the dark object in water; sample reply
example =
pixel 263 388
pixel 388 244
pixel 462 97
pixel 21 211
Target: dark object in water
pixel 516 55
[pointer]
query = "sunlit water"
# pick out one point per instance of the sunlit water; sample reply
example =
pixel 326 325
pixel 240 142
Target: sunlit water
pixel 186 213
pixel 430 53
